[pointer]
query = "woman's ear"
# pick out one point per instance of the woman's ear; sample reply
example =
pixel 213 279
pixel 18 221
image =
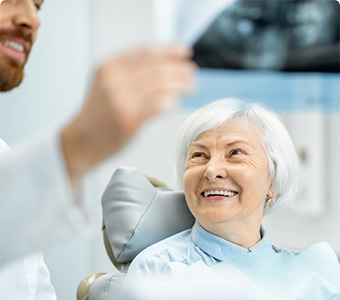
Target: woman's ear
pixel 271 193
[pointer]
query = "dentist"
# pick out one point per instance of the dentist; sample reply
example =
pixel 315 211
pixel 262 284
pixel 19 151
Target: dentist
pixel 40 201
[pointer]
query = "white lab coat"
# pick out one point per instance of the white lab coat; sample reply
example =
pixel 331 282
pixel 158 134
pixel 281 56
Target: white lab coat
pixel 37 206
pixel 37 211
pixel 26 278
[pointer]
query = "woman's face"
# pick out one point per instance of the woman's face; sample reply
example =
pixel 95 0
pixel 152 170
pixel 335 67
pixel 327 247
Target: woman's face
pixel 226 178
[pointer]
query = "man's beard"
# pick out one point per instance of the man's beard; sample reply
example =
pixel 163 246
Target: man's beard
pixel 10 77
pixel 11 71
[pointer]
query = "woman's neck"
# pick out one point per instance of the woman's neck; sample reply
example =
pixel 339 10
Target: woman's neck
pixel 244 236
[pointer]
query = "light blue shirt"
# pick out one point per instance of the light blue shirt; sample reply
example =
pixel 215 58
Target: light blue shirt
pixel 193 245
pixel 197 265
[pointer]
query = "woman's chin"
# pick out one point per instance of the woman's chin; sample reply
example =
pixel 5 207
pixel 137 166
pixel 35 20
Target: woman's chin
pixel 217 215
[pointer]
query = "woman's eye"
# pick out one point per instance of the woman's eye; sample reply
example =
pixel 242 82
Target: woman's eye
pixel 236 152
pixel 198 155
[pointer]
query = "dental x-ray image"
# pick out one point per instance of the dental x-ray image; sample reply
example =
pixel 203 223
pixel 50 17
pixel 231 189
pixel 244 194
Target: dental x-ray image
pixel 287 35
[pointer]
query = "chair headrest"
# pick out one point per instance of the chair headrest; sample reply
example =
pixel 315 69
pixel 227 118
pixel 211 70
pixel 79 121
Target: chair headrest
pixel 137 214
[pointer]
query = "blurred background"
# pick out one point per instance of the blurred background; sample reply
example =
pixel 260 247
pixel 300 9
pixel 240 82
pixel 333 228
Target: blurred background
pixel 289 63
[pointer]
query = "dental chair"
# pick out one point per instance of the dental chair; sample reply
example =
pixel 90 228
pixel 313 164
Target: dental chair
pixel 138 211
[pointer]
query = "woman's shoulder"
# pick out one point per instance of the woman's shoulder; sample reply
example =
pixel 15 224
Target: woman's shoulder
pixel 321 250
pixel 157 256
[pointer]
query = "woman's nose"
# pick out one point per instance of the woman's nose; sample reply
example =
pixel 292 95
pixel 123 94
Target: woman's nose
pixel 26 15
pixel 215 169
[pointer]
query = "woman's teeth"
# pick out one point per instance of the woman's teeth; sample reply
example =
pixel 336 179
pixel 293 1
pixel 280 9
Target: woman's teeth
pixel 212 193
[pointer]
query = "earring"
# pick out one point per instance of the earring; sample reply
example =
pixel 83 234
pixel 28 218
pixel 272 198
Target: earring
pixel 269 201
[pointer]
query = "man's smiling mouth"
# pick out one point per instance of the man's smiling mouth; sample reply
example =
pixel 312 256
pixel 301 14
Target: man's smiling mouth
pixel 14 45
pixel 15 49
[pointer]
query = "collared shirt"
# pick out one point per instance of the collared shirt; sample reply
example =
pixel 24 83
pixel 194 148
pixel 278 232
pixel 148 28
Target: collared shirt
pixel 195 245
pixel 199 265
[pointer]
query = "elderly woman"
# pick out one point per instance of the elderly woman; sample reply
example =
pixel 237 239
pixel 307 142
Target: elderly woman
pixel 236 162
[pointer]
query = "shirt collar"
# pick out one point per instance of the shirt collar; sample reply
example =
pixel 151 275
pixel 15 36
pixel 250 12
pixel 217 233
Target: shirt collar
pixel 222 249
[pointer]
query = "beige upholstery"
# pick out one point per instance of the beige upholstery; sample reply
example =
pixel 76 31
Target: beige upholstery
pixel 86 284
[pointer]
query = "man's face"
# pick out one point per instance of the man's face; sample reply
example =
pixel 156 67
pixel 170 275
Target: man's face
pixel 19 23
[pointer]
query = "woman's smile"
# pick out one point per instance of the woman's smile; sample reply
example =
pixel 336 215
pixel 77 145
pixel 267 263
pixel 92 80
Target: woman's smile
pixel 218 194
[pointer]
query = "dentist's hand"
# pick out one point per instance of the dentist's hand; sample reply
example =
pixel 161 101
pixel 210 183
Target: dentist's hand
pixel 126 90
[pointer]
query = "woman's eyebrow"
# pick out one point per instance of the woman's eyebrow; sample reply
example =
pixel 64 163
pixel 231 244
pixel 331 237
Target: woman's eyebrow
pixel 232 143
pixel 198 145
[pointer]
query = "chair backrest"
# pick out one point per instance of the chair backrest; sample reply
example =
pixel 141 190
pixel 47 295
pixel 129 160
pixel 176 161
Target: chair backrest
pixel 132 205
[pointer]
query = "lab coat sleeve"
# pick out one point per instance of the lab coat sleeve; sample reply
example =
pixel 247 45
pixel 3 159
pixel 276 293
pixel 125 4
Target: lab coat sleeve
pixel 38 208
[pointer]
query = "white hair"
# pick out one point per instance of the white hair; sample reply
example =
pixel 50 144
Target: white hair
pixel 281 154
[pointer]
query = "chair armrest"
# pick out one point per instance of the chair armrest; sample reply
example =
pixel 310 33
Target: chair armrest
pixel 107 287
pixel 85 285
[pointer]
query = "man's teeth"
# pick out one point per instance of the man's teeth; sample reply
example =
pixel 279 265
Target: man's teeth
pixel 14 45
pixel 219 193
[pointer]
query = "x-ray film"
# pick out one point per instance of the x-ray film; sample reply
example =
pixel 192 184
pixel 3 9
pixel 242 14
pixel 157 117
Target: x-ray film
pixel 288 35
